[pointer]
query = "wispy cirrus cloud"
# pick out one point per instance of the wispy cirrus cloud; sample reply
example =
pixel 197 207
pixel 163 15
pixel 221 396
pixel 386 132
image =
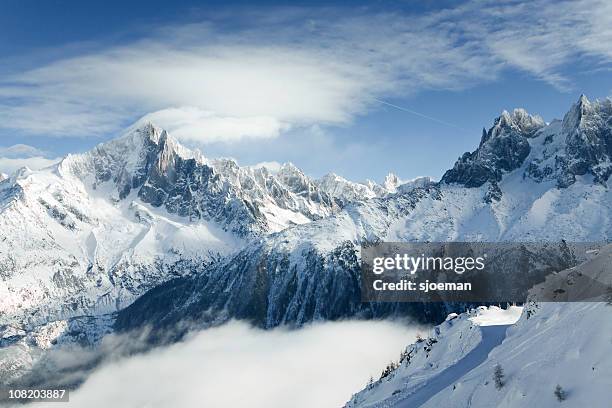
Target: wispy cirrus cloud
pixel 297 67
pixel 543 37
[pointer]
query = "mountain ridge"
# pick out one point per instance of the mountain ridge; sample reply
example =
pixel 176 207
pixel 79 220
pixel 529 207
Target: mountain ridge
pixel 311 272
pixel 163 234
pixel 133 204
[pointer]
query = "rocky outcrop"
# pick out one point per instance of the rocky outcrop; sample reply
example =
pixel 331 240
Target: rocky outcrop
pixel 503 148
pixel 588 150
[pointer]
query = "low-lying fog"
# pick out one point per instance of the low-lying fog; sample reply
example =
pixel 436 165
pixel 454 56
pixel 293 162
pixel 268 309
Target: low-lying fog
pixel 236 365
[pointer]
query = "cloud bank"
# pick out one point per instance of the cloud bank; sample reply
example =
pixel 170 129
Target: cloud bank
pixel 276 69
pixel 271 166
pixel 235 365
pixel 20 155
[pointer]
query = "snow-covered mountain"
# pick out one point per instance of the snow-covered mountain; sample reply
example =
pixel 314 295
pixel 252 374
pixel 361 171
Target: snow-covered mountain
pixel 160 234
pixel 312 271
pixel 89 235
pixel 579 145
pixel 551 344
pixel 348 191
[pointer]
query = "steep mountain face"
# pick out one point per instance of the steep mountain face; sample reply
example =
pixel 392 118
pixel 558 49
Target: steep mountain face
pixel 577 146
pixel 345 191
pixel 392 182
pixel 164 174
pixel 67 249
pixel 305 273
pixel 311 271
pixel 502 149
pixel 99 229
pixel 587 133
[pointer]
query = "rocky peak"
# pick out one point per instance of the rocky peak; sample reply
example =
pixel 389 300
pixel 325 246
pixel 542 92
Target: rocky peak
pixel 574 118
pixel 375 187
pixel 579 145
pixel 502 148
pixel 418 182
pixel 148 163
pixel 295 180
pixel 290 170
pixel 331 177
pixel 588 142
pixel 520 121
pixel 346 191
pixel 129 160
pixel 331 182
pixel 391 182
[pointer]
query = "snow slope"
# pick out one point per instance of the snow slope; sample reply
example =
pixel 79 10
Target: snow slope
pixel 566 344
pixel 66 250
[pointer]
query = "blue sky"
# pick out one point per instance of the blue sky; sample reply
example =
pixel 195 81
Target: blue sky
pixel 307 83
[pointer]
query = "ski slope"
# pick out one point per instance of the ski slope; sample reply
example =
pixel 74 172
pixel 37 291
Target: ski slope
pixel 492 336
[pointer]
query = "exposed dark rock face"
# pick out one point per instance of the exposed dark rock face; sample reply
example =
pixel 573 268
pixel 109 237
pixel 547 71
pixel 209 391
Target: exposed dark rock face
pixel 286 278
pixel 269 287
pixel 494 193
pixel 261 285
pixel 183 185
pixel 588 150
pixel 579 145
pixel 164 174
pixel 502 148
pixel 196 191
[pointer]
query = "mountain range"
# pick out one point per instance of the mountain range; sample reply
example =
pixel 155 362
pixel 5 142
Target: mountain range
pixel 141 231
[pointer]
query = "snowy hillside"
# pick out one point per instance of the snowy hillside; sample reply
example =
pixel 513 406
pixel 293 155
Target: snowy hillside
pixel 565 344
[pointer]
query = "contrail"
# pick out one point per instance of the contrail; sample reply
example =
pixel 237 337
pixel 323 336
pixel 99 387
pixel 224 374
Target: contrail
pixel 420 114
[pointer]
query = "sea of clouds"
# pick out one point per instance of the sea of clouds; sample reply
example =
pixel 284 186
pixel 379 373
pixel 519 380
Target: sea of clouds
pixel 236 365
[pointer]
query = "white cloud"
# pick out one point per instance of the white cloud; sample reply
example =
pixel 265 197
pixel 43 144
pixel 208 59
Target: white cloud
pixel 235 365
pixel 269 86
pixel 544 37
pixel 272 166
pixel 193 124
pixel 299 67
pixel 20 151
pixel 314 70
pixel 21 155
pixel 9 166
